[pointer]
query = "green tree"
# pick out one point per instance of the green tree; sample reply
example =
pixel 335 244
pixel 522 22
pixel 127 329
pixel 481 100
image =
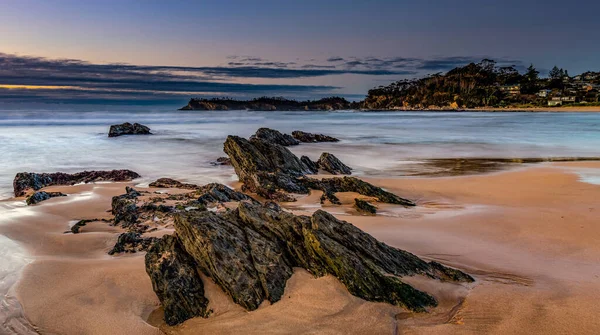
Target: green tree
pixel 555 73
pixel 532 74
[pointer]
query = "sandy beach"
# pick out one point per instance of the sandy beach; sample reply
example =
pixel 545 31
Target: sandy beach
pixel 528 236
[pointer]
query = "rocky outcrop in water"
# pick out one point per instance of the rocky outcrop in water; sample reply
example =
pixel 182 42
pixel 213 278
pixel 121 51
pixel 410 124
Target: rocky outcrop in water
pixel 38 197
pixel 25 182
pixel 312 138
pixel 332 164
pixel 269 104
pixel 273 172
pixel 128 129
pixel 274 136
pixel 221 161
pixel 363 206
pixel 251 252
pixel 265 168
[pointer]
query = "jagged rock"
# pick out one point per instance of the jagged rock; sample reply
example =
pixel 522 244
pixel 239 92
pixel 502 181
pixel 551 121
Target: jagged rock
pixel 175 281
pixel 332 164
pixel 215 192
pixel 273 172
pixel 26 181
pixel 312 138
pixel 251 252
pixel 125 210
pixel 363 206
pixel 274 136
pixel 128 129
pixel 221 161
pixel 131 242
pixel 330 186
pixel 309 165
pixel 265 168
pixel 172 183
pixel 38 197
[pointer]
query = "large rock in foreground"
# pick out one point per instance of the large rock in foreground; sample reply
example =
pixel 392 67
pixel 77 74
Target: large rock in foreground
pixel 251 252
pixel 28 181
pixel 176 281
pixel 128 129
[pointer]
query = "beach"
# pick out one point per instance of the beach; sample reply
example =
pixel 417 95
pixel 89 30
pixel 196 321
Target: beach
pixel 496 197
pixel 528 236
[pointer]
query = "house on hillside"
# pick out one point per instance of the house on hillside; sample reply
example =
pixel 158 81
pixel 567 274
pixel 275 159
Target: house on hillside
pixel 559 101
pixel 511 89
pixel 544 93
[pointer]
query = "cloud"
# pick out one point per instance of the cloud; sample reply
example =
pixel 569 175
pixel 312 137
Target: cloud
pixel 23 77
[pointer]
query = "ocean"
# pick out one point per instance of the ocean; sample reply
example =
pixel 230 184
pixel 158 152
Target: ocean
pixel 67 138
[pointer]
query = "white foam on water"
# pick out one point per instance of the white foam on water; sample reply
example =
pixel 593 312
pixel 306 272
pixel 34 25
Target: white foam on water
pixel 588 175
pixel 14 259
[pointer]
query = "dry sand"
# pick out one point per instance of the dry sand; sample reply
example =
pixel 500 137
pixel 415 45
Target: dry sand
pixel 529 236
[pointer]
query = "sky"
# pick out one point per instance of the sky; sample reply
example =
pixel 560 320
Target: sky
pixel 168 51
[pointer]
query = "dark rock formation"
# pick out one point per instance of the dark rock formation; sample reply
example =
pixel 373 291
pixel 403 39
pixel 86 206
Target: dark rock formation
pixel 176 281
pixel 26 181
pixel 363 206
pixel 265 168
pixel 330 186
pixel 312 138
pixel 274 136
pixel 124 208
pixel 272 171
pixel 172 183
pixel 270 104
pixel 131 242
pixel 309 164
pixel 128 129
pixel 251 252
pixel 220 193
pixel 332 164
pixel 221 161
pixel 38 197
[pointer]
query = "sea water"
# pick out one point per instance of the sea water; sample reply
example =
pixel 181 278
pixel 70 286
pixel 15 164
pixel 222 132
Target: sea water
pixel 67 138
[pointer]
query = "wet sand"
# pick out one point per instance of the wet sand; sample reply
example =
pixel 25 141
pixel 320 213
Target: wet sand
pixel 528 236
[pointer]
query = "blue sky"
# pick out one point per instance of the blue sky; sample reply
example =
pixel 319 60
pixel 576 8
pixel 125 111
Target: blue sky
pixel 277 47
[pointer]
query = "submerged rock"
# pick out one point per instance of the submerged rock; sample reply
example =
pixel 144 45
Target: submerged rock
pixel 221 161
pixel 176 281
pixel 332 164
pixel 27 181
pixel 131 242
pixel 38 197
pixel 276 137
pixel 363 206
pixel 251 253
pixel 312 138
pixel 128 129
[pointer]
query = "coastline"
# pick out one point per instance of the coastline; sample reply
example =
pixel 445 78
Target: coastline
pixel 471 222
